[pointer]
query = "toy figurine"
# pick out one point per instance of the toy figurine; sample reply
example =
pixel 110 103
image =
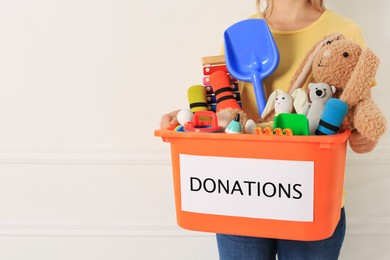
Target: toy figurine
pixel 319 94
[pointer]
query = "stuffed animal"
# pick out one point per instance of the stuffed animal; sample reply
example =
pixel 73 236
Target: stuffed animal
pixel 279 101
pixel 351 69
pixel 283 102
pixel 319 93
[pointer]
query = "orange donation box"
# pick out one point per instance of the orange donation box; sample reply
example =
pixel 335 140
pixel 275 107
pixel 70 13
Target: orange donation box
pixel 285 187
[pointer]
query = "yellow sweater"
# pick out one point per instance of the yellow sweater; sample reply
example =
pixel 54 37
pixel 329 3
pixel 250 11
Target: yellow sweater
pixel 293 47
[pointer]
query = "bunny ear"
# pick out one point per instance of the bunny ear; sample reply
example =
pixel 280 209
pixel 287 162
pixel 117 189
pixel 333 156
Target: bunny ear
pixel 301 99
pixel 270 103
pixel 304 69
pixel 362 78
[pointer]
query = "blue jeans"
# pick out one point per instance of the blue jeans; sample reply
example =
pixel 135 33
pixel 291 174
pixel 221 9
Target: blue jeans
pixel 253 248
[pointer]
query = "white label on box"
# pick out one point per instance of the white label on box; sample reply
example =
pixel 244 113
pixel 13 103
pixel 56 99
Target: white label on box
pixel 246 187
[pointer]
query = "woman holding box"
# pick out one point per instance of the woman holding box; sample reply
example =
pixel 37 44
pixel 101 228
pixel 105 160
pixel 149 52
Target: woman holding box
pixel 296 26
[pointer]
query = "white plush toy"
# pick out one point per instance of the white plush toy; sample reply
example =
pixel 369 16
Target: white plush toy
pixel 319 94
pixel 279 101
pixel 282 102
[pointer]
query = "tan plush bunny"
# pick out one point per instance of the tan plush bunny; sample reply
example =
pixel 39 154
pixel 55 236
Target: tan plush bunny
pixel 351 69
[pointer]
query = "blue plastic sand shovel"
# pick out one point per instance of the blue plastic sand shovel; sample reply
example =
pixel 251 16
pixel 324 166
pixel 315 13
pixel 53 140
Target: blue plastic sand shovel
pixel 251 54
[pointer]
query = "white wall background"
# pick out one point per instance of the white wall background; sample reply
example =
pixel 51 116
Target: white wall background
pixel 82 87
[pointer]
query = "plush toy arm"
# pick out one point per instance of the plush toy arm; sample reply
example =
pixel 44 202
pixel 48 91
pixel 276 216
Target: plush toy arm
pixel 305 109
pixel 369 120
pixel 301 100
pixel 362 77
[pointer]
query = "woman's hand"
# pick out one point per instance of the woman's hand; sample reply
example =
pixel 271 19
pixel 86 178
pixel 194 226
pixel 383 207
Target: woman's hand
pixel 361 144
pixel 169 119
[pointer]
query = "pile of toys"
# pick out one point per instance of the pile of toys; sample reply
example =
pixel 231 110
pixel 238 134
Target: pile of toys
pixel 229 117
pixel 340 92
